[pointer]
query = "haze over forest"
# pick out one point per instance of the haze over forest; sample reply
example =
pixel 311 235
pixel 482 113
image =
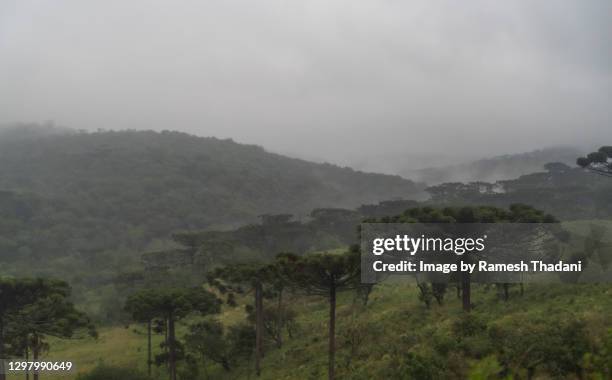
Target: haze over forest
pixel 364 84
pixel 184 187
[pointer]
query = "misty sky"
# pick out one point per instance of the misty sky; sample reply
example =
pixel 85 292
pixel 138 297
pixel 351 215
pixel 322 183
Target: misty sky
pixel 324 79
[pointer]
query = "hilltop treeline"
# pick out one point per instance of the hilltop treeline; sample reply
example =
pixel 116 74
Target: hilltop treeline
pixel 567 192
pixel 78 196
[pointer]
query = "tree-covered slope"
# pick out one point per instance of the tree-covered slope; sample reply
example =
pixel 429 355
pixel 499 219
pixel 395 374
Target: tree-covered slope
pixel 564 191
pixel 72 192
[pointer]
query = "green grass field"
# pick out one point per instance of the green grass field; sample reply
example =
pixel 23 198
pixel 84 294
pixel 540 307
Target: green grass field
pixel 392 332
pixel 371 339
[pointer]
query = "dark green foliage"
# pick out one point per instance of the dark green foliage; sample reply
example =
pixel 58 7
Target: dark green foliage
pixel 597 157
pixel 111 189
pixel 143 305
pixel 33 309
pixel 90 203
pixel 105 372
pixel 468 325
pixel 568 194
pixel 52 315
pixel 315 273
pixel 516 213
pixel 175 304
pixel 556 345
pixel 409 365
pixel 598 162
pixel 143 308
pixel 601 361
pixel 182 302
pixel 248 277
pixel 276 320
pixel 583 162
pixel 425 293
pixel 211 341
pixel 324 275
pixel 240 277
pixel 38 307
pixel 439 291
pixel 167 306
pixel 607 150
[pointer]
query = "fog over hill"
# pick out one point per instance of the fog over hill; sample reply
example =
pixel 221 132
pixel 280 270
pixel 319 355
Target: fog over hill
pixel 197 181
pixel 328 79
pixel 498 168
pixel 438 167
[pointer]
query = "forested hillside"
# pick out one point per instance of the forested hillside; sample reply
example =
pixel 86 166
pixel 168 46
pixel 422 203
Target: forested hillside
pixel 68 192
pixel 567 192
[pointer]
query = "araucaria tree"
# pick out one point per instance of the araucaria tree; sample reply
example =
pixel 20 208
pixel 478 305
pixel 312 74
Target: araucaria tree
pixel 142 306
pixel 244 278
pixel 517 213
pixel 599 162
pixel 212 341
pixel 31 309
pixel 171 305
pixel 324 275
pixel 52 315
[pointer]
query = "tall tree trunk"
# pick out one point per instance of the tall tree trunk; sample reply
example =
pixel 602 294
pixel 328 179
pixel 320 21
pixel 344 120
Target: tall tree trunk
pixel 466 292
pixel 279 319
pixel 506 291
pixel 149 347
pixel 530 373
pixel 2 375
pixel 35 353
pixel 27 357
pixel 172 346
pixel 522 289
pixel 166 342
pixel 258 327
pixel 458 291
pixel 332 329
pixel 367 291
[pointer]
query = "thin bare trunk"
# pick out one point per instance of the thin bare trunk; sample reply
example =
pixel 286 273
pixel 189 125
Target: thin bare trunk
pixel 166 342
pixel 172 344
pixel 332 330
pixel 35 354
pixel 149 348
pixel 27 358
pixel 279 319
pixel 2 375
pixel 466 292
pixel 258 327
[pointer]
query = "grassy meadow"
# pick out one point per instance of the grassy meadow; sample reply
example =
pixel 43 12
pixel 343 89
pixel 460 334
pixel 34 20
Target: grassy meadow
pixel 373 340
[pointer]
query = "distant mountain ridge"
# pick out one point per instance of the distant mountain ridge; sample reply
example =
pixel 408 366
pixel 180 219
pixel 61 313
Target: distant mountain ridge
pixel 496 168
pixel 134 186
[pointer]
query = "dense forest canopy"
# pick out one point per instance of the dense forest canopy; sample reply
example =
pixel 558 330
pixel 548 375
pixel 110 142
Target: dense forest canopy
pixel 567 192
pixel 140 219
pixel 85 206
pixel 67 191
pixel 100 207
